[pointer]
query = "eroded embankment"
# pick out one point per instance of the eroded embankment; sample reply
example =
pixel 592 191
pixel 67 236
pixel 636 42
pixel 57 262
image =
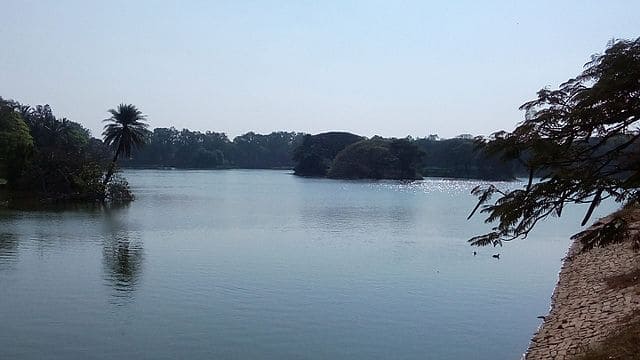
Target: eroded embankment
pixel 586 306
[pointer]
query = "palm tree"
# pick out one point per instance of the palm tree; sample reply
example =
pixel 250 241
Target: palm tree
pixel 126 129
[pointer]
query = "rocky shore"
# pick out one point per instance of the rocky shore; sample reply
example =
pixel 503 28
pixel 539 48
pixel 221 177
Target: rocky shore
pixel 586 305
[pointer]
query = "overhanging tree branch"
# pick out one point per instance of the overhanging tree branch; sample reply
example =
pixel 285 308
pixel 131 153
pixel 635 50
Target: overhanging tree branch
pixel 581 140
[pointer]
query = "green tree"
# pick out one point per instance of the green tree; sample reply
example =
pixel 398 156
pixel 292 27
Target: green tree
pixel 315 153
pixel 582 140
pixel 126 129
pixel 409 157
pixel 377 158
pixel 67 164
pixel 16 144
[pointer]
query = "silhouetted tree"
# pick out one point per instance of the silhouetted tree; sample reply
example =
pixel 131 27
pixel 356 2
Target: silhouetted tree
pixel 126 130
pixel 582 138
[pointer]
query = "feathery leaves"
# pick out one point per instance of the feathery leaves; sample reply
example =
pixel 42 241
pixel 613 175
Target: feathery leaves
pixel 583 142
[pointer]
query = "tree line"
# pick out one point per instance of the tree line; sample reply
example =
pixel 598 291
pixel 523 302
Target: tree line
pixel 56 158
pixel 169 147
pixel 349 156
pixel 311 155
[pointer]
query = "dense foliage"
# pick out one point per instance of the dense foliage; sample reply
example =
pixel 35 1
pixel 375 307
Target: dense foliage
pixel 583 139
pixel 345 155
pixel 378 158
pixel 16 144
pixel 309 155
pixel 316 153
pixel 169 147
pixel 460 158
pixel 57 158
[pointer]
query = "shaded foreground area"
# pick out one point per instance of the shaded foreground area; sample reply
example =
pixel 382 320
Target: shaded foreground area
pixel 595 310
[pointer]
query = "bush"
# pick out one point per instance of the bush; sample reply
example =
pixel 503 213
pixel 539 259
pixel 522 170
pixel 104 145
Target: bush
pixel 118 190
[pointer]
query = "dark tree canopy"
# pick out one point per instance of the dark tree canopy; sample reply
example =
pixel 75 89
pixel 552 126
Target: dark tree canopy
pixel 582 140
pixel 316 153
pixel 460 158
pixel 16 144
pixel 50 159
pixel 346 155
pixel 169 147
pixel 378 158
pixel 126 129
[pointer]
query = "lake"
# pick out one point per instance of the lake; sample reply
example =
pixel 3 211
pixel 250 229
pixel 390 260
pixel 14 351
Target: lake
pixel 252 264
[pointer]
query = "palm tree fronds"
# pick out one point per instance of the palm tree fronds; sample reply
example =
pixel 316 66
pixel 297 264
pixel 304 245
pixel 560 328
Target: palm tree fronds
pixel 126 129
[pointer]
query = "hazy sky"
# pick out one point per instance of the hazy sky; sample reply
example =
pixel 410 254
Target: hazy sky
pixel 393 68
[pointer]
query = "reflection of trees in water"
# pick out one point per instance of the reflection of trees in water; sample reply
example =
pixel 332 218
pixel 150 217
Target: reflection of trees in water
pixel 122 255
pixel 122 259
pixel 37 206
pixel 8 250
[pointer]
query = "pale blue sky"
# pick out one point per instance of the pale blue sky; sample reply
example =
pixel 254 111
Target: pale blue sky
pixel 393 68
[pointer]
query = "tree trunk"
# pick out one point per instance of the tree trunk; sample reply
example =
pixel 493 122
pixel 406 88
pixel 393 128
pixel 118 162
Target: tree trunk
pixel 112 167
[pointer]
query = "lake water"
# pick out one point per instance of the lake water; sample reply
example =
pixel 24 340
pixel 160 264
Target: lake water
pixel 265 265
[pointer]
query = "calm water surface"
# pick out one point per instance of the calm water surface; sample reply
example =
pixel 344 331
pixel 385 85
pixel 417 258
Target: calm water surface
pixel 264 265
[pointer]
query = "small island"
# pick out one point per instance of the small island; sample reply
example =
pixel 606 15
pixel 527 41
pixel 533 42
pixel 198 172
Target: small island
pixel 348 156
pixel 341 155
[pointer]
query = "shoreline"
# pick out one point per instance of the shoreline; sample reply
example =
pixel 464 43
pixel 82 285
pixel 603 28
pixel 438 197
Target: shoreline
pixel 585 309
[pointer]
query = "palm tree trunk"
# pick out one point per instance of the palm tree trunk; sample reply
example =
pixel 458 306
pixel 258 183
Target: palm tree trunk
pixel 110 169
